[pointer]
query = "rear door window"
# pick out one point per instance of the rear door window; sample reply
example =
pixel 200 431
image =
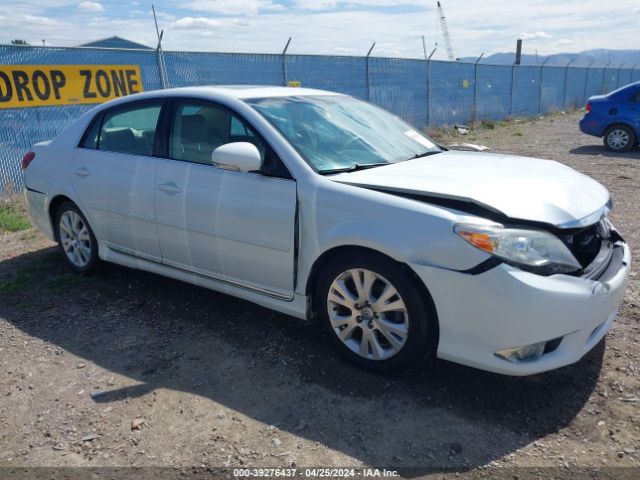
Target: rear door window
pixel 128 129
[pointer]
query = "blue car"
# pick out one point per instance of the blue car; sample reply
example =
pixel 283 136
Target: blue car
pixel 615 117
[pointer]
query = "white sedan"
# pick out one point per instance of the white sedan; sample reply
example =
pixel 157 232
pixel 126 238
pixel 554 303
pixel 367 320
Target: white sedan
pixel 322 206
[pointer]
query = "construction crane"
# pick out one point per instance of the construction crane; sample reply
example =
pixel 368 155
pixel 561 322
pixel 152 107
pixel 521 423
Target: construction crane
pixel 445 33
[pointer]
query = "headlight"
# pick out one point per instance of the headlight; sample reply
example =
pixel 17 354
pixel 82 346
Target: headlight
pixel 533 250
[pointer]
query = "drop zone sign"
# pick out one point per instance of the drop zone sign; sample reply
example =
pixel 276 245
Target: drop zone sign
pixel 44 85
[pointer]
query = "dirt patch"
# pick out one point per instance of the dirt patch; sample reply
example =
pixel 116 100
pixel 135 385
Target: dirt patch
pixel 125 368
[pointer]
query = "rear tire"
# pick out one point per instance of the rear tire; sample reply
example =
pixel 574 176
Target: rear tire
pixel 76 239
pixel 374 312
pixel 619 138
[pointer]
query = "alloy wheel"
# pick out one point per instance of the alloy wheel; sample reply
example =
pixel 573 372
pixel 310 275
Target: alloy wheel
pixel 75 238
pixel 368 314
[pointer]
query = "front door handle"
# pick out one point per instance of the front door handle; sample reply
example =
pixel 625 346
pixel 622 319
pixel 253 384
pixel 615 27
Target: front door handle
pixel 82 172
pixel 170 188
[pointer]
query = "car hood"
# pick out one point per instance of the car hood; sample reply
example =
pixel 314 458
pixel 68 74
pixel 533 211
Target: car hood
pixel 520 188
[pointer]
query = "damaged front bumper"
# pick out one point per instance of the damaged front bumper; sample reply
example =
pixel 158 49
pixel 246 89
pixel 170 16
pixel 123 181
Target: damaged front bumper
pixel 553 321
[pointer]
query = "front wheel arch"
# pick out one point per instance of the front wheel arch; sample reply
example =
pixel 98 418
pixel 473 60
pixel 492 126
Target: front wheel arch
pixel 345 250
pixel 345 257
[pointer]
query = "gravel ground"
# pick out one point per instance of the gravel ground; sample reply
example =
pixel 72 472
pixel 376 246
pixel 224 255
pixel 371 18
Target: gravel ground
pixel 126 368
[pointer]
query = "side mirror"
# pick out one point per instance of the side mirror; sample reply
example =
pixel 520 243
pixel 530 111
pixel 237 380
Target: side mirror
pixel 239 156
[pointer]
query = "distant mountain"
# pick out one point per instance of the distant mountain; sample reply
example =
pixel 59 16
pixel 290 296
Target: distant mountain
pixel 599 57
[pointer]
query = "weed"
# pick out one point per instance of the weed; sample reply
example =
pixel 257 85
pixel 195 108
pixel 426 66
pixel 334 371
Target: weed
pixel 13 217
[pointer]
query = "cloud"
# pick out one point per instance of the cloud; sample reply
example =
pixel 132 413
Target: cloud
pixel 331 26
pixel 38 20
pixel 236 7
pixel 190 22
pixel 565 42
pixel 203 22
pixel 332 4
pixel 531 36
pixel 91 6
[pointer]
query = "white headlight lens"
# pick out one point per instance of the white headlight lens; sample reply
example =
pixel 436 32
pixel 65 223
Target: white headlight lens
pixel 533 248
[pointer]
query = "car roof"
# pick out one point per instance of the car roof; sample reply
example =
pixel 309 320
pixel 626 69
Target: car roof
pixel 241 92
pixel 624 88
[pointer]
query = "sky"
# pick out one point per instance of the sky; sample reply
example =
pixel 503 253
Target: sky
pixel 338 27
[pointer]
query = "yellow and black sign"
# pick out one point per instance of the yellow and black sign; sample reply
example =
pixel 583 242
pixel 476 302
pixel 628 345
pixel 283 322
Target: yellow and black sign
pixel 40 85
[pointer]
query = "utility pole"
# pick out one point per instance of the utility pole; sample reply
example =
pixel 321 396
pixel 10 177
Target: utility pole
pixel 518 51
pixel 513 73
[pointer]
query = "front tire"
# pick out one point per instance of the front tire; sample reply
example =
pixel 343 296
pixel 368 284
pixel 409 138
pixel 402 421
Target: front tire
pixel 619 138
pixel 375 313
pixel 76 239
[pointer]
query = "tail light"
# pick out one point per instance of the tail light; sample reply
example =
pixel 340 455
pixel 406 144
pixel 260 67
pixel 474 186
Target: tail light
pixel 27 159
pixel 588 107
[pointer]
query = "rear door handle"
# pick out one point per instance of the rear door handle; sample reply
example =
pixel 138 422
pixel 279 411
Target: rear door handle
pixel 82 172
pixel 170 188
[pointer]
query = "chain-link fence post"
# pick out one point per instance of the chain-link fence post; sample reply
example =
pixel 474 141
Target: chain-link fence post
pixel 285 80
pixel 618 79
pixel 540 86
pixel 513 74
pixel 162 67
pixel 428 92
pixel 368 58
pixel 566 79
pixel 475 89
pixel 604 72
pixel 428 64
pixel 586 80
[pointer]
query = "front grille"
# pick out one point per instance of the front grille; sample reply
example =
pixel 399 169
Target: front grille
pixel 585 243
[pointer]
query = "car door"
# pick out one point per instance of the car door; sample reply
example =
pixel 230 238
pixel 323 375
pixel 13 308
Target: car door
pixel 234 227
pixel 113 174
pixel 633 109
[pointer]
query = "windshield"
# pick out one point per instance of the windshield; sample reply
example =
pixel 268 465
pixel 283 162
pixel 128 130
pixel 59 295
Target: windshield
pixel 337 133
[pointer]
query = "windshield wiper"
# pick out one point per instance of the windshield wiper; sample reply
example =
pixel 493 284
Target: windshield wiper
pixel 352 168
pixel 424 154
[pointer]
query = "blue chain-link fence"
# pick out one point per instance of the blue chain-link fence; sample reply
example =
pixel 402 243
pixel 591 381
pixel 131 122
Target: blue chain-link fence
pixel 423 93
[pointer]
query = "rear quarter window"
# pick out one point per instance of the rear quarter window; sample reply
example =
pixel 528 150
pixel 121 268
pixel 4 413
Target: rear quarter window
pixel 90 137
